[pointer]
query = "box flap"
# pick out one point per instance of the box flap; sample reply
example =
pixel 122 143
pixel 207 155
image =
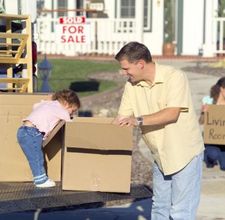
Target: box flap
pixel 98 133
pixel 60 124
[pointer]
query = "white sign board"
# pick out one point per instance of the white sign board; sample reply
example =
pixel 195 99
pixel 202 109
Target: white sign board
pixel 73 30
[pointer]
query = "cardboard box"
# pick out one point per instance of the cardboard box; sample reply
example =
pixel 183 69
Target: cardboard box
pixel 97 156
pixel 214 125
pixel 13 164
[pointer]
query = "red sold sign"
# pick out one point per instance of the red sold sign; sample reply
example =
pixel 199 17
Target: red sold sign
pixel 72 20
pixel 73 29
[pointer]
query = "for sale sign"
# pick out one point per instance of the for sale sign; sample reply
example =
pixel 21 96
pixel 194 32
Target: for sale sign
pixel 74 30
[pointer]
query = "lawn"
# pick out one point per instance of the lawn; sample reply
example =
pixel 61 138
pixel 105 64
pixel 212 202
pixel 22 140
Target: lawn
pixel 64 72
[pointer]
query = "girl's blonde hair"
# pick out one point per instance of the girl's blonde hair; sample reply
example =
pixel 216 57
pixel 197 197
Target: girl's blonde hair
pixel 67 96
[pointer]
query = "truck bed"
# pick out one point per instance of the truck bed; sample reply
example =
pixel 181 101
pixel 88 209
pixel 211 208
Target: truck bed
pixel 16 197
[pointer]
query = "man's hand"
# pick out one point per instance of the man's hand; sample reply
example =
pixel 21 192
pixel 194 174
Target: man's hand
pixel 125 121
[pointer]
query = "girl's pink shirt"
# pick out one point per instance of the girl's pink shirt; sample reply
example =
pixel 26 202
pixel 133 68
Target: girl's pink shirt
pixel 46 114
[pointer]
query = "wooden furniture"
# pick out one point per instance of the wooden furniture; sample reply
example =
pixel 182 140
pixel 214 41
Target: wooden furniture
pixel 18 84
pixel 15 49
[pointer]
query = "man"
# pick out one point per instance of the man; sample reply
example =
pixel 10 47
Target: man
pixel 158 100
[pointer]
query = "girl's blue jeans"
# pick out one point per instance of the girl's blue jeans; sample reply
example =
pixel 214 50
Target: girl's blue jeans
pixel 30 140
pixel 177 196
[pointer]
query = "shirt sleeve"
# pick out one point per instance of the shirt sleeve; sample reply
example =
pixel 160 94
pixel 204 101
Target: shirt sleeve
pixel 125 108
pixel 178 92
pixel 62 114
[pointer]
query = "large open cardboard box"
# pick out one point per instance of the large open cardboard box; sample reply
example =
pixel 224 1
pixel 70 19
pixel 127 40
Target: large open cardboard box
pixel 97 156
pixel 214 125
pixel 13 164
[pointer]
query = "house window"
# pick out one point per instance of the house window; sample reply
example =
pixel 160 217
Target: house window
pixel 126 9
pixel 147 15
pixel 62 6
pixel 80 5
pixel 19 7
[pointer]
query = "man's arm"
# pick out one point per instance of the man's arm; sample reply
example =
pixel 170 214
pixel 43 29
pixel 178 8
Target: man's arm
pixel 162 117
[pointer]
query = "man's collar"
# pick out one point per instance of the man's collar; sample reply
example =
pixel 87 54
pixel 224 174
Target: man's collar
pixel 158 78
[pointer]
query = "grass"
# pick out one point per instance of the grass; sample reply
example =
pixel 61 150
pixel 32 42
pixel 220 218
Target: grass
pixel 65 72
pixel 219 64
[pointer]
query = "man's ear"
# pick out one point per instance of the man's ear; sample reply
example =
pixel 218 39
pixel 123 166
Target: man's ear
pixel 141 64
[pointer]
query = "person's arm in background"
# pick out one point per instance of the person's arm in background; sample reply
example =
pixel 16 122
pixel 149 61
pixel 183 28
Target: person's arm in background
pixel 202 114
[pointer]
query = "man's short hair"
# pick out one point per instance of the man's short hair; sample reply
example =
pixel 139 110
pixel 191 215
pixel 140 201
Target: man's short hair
pixel 134 51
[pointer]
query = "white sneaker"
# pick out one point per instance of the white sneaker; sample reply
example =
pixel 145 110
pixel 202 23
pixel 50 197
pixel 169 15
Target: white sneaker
pixel 48 183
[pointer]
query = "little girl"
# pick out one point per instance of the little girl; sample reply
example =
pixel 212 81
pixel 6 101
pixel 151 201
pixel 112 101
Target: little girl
pixel 36 127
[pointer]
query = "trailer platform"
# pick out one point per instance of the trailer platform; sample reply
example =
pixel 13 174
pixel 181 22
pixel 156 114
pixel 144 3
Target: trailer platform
pixel 17 197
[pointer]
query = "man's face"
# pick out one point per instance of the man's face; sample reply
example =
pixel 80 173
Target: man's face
pixel 132 70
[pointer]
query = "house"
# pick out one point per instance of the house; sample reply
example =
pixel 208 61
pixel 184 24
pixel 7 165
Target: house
pixel 187 27
pixel 19 7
